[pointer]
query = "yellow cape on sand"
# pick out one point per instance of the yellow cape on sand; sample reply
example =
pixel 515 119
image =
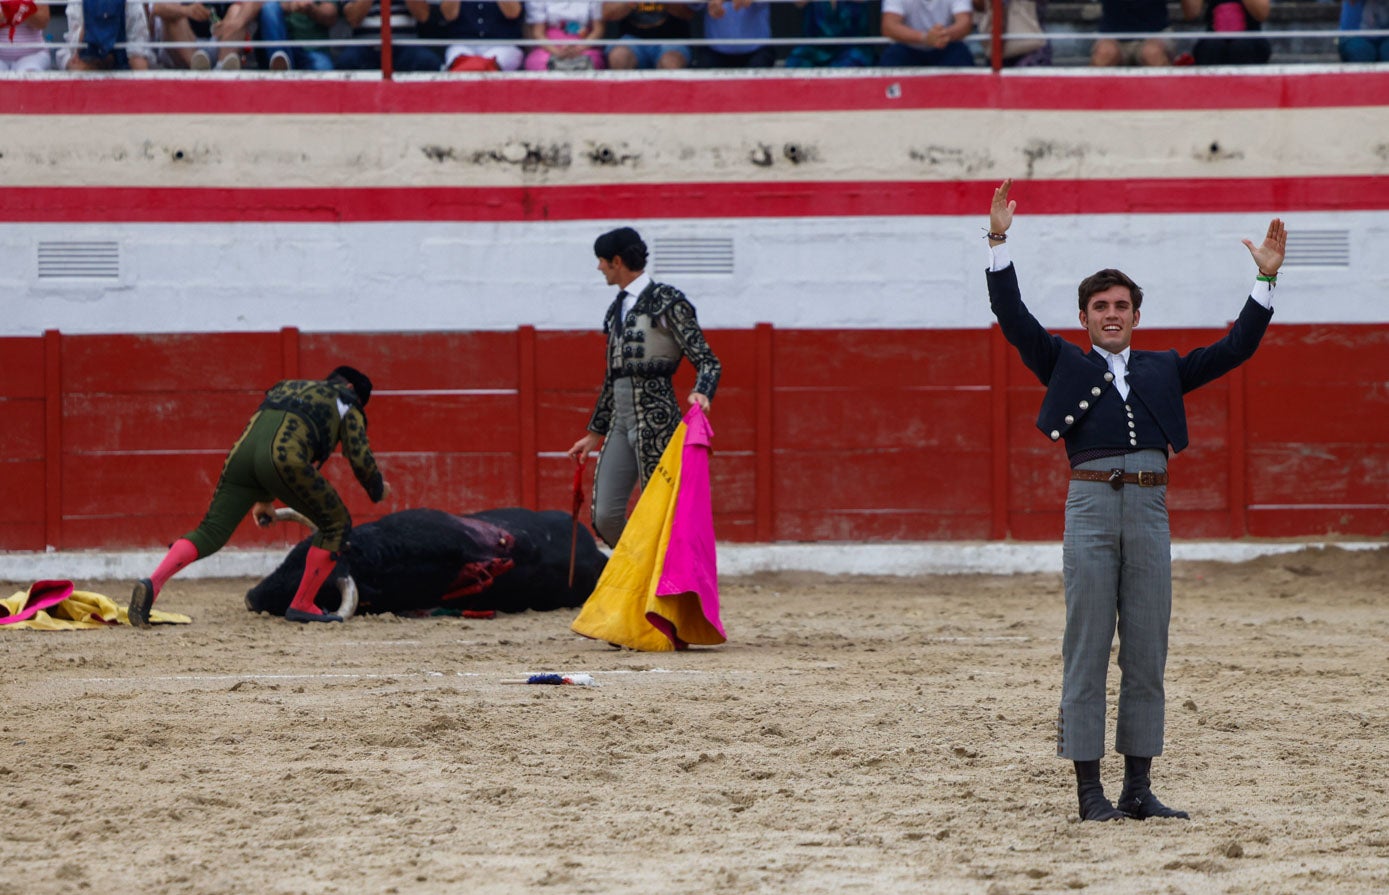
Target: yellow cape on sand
pixel 617 609
pixel 83 609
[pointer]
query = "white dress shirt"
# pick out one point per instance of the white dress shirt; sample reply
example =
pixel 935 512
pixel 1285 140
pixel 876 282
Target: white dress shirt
pixel 634 289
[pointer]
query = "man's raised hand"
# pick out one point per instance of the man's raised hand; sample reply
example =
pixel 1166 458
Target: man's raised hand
pixel 1001 212
pixel 1269 255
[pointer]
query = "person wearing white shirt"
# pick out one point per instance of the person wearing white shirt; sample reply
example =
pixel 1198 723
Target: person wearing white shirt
pixel 927 33
pixel 22 46
pixel 1118 410
pixel 566 24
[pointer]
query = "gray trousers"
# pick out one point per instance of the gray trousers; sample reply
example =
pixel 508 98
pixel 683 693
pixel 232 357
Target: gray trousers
pixel 618 471
pixel 1117 559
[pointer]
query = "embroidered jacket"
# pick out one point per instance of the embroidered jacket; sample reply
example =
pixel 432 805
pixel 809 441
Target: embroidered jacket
pixel 318 404
pixel 647 345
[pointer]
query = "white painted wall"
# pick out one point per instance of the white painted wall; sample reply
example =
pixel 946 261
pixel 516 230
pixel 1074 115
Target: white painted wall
pixel 916 272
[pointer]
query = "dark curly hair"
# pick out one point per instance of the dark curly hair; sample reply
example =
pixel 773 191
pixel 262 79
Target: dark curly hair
pixel 1101 280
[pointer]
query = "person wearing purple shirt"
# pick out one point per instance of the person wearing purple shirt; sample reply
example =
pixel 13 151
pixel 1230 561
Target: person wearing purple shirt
pixel 736 20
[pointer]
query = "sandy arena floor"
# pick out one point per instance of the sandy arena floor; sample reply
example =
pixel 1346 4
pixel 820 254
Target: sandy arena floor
pixel 856 735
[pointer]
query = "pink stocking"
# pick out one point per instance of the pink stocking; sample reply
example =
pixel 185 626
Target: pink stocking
pixel 317 564
pixel 181 553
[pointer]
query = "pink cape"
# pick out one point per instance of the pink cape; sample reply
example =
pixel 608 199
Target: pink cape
pixel 42 595
pixel 691 559
pixel 692 563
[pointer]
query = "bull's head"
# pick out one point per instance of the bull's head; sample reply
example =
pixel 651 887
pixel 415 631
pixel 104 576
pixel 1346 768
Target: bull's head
pixel 347 588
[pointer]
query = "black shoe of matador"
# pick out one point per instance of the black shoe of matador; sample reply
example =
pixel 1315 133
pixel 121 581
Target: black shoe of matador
pixel 1090 791
pixel 141 599
pixel 1137 800
pixel 299 615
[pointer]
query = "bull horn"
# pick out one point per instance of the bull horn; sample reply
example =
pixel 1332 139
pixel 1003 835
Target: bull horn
pixel 286 514
pixel 348 588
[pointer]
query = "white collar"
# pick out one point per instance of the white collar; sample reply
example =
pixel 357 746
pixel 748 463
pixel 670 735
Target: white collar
pixel 1109 354
pixel 637 286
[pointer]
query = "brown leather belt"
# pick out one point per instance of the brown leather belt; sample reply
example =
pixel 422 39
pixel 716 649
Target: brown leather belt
pixel 1117 478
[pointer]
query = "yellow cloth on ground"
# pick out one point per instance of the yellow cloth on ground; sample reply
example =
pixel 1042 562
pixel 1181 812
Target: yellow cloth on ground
pixel 617 609
pixel 83 609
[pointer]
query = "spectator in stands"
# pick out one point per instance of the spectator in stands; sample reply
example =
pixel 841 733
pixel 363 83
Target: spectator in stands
pixel 736 20
pixel 1226 16
pixel 1132 16
pixel 839 19
pixel 222 28
pixel 22 47
pixel 927 32
pixel 176 22
pixel 567 24
pixel 666 27
pixel 1367 15
pixel 467 23
pixel 297 20
pixel 365 18
pixel 1019 17
pixel 97 51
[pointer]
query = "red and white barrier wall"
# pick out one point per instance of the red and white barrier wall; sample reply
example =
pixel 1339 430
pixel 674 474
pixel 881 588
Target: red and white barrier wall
pixel 170 247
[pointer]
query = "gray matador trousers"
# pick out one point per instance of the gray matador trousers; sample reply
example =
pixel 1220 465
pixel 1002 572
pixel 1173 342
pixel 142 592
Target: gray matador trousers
pixel 618 470
pixel 1117 560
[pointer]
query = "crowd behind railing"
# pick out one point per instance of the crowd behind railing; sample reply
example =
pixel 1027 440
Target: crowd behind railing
pixel 578 35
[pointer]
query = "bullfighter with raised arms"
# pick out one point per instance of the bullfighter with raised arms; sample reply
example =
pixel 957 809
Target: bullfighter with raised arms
pixel 1118 410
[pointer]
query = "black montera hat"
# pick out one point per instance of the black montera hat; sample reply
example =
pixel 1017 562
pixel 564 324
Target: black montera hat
pixel 361 385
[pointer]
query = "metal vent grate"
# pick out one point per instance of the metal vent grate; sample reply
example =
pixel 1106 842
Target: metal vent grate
pixel 98 260
pixel 1318 248
pixel 692 255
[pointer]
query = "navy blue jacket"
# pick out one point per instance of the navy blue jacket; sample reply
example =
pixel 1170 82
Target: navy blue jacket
pixel 476 21
pixel 1078 381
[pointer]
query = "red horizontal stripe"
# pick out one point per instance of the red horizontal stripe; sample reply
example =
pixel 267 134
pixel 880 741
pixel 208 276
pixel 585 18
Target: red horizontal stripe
pixel 653 94
pixel 687 200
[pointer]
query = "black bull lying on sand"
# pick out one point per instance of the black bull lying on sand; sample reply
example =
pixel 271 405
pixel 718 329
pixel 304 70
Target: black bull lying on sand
pixel 508 560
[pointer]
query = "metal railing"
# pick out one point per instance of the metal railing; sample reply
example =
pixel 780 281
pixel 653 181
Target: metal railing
pixel 990 44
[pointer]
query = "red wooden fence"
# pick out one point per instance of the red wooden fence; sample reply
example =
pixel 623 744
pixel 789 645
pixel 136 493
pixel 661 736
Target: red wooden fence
pixel 116 441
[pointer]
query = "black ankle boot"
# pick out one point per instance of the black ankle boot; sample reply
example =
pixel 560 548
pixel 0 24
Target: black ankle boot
pixel 1137 799
pixel 1089 789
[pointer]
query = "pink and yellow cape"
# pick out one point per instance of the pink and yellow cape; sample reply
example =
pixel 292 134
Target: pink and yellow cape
pixel 53 605
pixel 660 590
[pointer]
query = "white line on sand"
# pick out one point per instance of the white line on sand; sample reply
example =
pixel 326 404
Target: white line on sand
pixel 367 676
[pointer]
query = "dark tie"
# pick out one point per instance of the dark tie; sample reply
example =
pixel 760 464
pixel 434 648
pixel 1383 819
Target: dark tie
pixel 621 296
